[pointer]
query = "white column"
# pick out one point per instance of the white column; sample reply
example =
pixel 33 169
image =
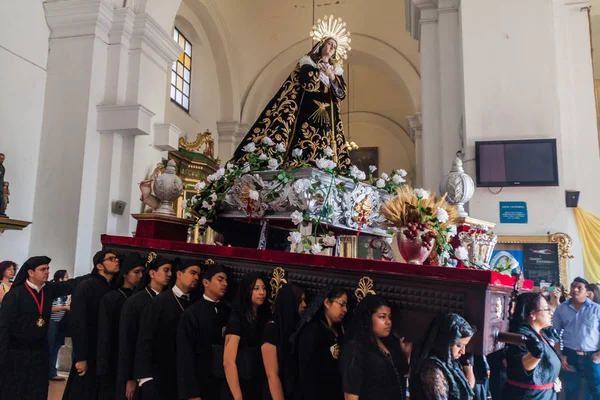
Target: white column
pixel 231 134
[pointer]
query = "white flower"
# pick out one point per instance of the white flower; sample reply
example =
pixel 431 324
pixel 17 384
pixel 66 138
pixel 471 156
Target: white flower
pixel 213 197
pixel 316 248
pixel 445 256
pixel 389 240
pixel 357 173
pixel 200 185
pixel 401 172
pixel 194 200
pixel 230 166
pixel 246 169
pixel 207 205
pixel 268 141
pixel 323 163
pixel 372 168
pixel 295 237
pixel 397 179
pixel 328 152
pixel 297 217
pixel 249 148
pixel 301 185
pixel 442 215
pixel 422 194
pixel 451 263
pixel 202 221
pixel 273 164
pixel 461 253
pixel 385 177
pixel 297 153
pixel 380 183
pixel 451 230
pixel 184 204
pixel 253 195
pixel 262 157
pixel 329 241
pixel 280 147
pixel 187 215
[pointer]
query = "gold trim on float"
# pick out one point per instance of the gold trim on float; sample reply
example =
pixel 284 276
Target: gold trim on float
pixel 151 256
pixel 276 282
pixel 364 288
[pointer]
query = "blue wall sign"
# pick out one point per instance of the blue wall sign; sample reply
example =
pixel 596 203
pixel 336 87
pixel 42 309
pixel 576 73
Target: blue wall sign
pixel 513 212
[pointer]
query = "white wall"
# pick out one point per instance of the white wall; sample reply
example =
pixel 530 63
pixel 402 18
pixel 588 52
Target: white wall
pixel 527 74
pixel 205 92
pixel 23 57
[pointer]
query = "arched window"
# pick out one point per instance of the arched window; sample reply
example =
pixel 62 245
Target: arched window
pixel 181 76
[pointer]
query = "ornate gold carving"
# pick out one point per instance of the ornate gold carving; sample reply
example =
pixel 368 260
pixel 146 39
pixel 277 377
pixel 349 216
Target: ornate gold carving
pixel 203 139
pixel 209 261
pixel 277 281
pixel 151 256
pixel 364 288
pixel 564 242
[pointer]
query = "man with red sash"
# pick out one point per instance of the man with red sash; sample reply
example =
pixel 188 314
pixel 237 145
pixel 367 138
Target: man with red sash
pixel 24 320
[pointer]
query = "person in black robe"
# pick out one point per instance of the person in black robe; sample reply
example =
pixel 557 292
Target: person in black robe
pixel 435 372
pixel 280 366
pixel 533 367
pixel 155 280
pixel 109 316
pixel 319 339
pixel 373 365
pixel 199 334
pixel 24 355
pixel 156 353
pixel 85 303
pixel 242 360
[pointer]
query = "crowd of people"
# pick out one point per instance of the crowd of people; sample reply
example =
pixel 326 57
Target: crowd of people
pixel 159 328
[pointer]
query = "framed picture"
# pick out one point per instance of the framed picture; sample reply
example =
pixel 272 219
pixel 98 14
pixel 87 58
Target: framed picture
pixel 543 259
pixel 365 156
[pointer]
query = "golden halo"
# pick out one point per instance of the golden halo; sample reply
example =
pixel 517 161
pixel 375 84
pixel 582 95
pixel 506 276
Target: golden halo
pixel 330 27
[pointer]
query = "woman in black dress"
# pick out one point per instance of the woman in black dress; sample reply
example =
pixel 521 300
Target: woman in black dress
pixel 317 343
pixel 280 366
pixel 372 364
pixel 532 368
pixel 242 359
pixel 436 373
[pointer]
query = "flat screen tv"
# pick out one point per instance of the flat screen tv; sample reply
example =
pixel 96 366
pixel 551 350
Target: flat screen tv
pixel 504 163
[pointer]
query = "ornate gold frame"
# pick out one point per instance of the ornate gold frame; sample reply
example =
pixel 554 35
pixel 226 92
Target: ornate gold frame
pixel 563 241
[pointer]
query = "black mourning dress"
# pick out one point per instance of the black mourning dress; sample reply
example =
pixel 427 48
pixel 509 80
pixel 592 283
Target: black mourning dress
pixel 544 373
pixel 131 314
pixel 109 316
pixel 201 327
pixel 85 304
pixel 372 374
pixel 251 370
pixel 24 354
pixel 156 351
pixel 319 376
pixel 302 115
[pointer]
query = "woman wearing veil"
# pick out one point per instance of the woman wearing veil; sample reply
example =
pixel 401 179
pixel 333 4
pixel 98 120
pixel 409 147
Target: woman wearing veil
pixel 301 124
pixel 436 373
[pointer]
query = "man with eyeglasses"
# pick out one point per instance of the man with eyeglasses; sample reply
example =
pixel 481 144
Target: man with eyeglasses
pixel 85 303
pixel 579 319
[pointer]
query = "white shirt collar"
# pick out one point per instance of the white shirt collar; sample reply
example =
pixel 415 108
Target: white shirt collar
pixel 209 299
pixel 178 292
pixel 31 285
pixel 155 292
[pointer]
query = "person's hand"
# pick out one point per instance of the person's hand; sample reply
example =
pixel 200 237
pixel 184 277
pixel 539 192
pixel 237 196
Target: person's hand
pixel 81 367
pixel 565 364
pixel 596 357
pixel 406 347
pixel 535 347
pixel 467 360
pixel 130 389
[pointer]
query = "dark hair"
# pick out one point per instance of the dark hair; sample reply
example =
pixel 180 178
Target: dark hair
pixel 243 300
pixel 1 154
pixel 526 304
pixel 592 287
pixel 444 332
pixel 60 274
pixel 99 259
pixel 580 280
pixel 361 325
pixel 563 296
pixel 4 265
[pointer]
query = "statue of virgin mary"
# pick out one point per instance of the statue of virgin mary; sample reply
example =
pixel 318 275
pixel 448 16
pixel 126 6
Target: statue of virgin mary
pixel 301 125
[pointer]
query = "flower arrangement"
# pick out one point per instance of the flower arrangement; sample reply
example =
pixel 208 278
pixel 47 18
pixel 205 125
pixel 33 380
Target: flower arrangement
pixel 421 214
